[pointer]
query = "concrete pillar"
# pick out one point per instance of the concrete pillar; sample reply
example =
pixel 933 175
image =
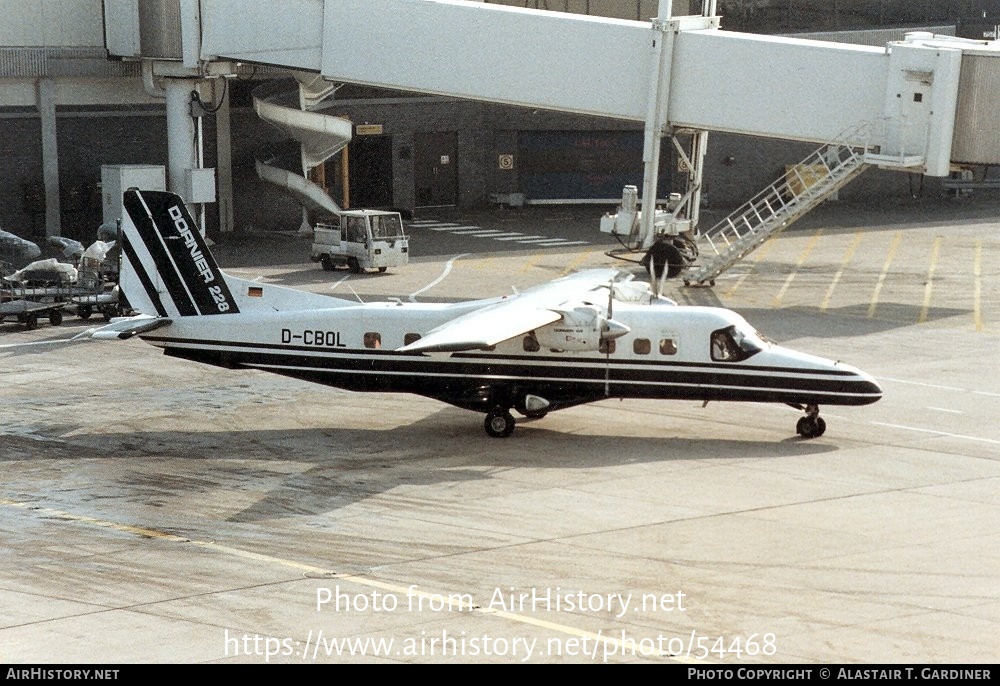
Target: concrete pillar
pixel 224 164
pixel 182 148
pixel 46 98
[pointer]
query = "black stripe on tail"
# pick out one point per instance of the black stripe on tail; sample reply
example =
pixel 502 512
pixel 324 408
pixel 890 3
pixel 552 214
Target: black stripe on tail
pixel 177 248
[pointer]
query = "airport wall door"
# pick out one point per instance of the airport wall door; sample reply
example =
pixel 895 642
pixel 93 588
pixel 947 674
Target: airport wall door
pixel 584 165
pixel 436 168
pixel 370 171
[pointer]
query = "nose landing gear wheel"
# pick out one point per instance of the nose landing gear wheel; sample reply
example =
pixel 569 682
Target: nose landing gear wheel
pixel 499 423
pixel 812 425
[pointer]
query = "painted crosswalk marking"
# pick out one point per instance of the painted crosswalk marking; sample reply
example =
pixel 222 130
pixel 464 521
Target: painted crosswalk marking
pixel 460 229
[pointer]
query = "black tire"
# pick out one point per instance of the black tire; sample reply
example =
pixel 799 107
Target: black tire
pixel 811 427
pixel 84 311
pixel 352 264
pixel 327 263
pixel 55 317
pixel 381 270
pixel 820 427
pixel 31 321
pixel 499 423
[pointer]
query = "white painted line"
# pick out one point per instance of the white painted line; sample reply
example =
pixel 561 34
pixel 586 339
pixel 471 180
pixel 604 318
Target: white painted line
pixel 341 280
pixel 925 385
pixel 435 282
pixel 938 433
pixel 516 238
pixel 944 409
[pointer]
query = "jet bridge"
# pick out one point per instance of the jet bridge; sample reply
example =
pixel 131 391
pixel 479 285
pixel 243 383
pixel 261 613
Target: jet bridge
pixel 907 105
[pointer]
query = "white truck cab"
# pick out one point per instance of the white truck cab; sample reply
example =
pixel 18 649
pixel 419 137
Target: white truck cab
pixel 362 240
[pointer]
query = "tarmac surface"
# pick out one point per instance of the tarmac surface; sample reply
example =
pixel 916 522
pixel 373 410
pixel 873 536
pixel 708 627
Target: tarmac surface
pixel 154 510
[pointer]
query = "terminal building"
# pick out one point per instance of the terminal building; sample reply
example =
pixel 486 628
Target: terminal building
pixel 67 110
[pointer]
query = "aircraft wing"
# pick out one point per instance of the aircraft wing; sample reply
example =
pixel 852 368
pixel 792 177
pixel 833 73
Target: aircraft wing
pixel 125 327
pixel 514 315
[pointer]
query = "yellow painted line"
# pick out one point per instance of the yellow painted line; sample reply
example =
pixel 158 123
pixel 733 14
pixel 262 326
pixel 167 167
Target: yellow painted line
pixel 759 255
pixel 577 261
pixel 929 287
pixel 848 256
pixel 977 287
pixel 802 259
pixel 529 263
pixel 893 247
pixel 482 264
pixel 459 602
pixel 125 528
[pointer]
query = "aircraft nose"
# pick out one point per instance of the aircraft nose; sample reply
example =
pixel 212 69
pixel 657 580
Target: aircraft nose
pixel 865 385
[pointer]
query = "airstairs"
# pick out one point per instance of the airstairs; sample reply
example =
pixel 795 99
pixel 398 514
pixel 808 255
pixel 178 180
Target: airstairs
pixel 320 136
pixel 802 188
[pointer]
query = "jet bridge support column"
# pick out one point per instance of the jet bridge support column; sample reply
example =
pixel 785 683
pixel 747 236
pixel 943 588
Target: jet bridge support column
pixel 656 116
pixel 182 146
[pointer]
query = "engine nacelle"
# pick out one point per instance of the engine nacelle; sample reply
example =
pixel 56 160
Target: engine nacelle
pixel 581 329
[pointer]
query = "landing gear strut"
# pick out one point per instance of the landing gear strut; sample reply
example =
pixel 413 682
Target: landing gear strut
pixel 812 425
pixel 499 422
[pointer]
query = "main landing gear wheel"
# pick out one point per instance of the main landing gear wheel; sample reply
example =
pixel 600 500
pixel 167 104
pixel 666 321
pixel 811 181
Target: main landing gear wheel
pixel 499 423
pixel 812 425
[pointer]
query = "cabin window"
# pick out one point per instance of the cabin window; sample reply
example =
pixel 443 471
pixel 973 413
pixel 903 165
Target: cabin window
pixel 373 339
pixel 641 346
pixel 732 345
pixel 607 347
pixel 668 346
pixel 531 344
pixel 410 338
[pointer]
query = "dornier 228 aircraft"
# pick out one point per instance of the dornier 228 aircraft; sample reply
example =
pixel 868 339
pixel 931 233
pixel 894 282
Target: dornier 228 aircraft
pixel 589 336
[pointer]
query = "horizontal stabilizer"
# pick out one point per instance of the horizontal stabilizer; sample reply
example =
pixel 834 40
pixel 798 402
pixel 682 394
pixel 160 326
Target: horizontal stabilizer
pixel 127 327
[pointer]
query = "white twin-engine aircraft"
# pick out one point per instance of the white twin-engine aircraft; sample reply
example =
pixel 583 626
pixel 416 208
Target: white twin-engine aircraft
pixel 593 335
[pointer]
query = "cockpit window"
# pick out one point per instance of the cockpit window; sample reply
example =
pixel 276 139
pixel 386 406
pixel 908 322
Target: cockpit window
pixel 732 345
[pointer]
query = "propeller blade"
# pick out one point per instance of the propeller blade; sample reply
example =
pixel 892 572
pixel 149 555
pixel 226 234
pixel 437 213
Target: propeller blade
pixel 652 277
pixel 607 342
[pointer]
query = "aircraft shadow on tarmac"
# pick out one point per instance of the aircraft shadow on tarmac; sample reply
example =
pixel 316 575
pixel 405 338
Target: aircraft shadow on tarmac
pixel 317 471
pixel 791 322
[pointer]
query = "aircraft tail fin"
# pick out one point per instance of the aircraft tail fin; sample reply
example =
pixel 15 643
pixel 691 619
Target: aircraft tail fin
pixel 167 269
